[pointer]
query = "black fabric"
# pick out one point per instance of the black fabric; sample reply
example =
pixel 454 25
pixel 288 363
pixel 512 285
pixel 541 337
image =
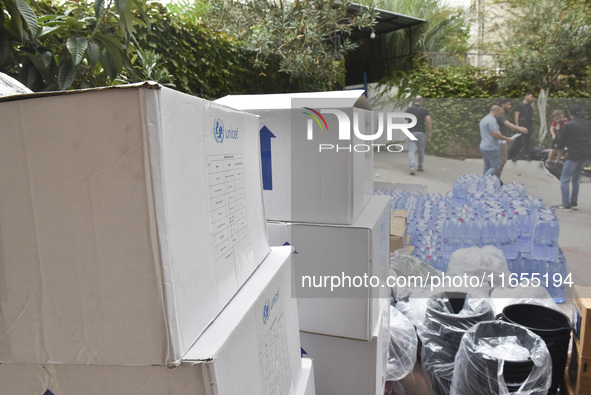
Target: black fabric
pixel 503 128
pixel 526 114
pixel 421 113
pixel 576 137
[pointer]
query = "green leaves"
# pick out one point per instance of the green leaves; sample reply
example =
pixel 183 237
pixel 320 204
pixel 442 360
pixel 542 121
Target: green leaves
pixel 98 6
pixel 551 41
pixel 29 16
pixel 16 22
pixel 93 52
pixel 77 46
pixel 67 75
pixel 42 63
pixel 125 16
pixel 296 40
pixel 70 44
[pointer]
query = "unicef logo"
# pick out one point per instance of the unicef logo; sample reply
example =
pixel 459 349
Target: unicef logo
pixel 218 130
pixel 266 311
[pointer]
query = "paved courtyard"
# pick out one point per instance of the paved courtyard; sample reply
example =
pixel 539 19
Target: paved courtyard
pixel 440 174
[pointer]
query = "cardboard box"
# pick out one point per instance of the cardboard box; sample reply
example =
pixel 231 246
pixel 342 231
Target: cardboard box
pixel 307 385
pixel 251 348
pixel 396 243
pixel 399 213
pixel 325 253
pixel 578 373
pixel 126 226
pixel 302 181
pixel 398 236
pixel 397 225
pixel 259 327
pixel 582 319
pixel 346 366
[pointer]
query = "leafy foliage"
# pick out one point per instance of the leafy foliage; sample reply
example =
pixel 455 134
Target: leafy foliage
pixel 550 43
pixel 197 60
pixel 191 10
pixel 457 98
pixel 51 45
pixel 302 40
pixel 204 48
pixel 444 34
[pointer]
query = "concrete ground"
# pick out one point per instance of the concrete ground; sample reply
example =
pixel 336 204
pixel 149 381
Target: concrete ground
pixel 440 174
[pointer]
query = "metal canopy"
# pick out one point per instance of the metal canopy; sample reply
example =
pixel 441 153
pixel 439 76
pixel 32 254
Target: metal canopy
pixel 386 21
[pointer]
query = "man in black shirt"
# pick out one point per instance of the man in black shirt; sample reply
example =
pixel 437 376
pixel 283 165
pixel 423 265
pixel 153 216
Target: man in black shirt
pixel 524 113
pixel 504 126
pixel 423 119
pixel 576 137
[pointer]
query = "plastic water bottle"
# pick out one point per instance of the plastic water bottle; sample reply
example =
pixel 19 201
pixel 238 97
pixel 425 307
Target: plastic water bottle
pixel 452 237
pixel 521 189
pixel 509 230
pixel 461 232
pixel 459 191
pixel 488 234
pixel 556 277
pixel 530 266
pixel 524 228
pixel 523 264
pixel 419 232
pixel 514 265
pixel 447 233
pixel 545 236
pixel 492 184
pixel 472 232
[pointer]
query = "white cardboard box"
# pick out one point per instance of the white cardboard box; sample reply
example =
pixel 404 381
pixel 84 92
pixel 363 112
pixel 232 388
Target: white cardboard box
pixel 126 225
pixel 359 251
pixel 251 348
pixel 300 183
pixel 307 384
pixel 346 366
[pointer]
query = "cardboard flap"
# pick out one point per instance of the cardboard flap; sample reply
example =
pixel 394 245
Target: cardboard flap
pixel 144 84
pixel 281 101
pixel 223 328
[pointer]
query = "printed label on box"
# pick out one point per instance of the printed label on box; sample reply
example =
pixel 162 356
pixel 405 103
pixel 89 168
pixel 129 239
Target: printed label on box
pixel 227 202
pixel 273 352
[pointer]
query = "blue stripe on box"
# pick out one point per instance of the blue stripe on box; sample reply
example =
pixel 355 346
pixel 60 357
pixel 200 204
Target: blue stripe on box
pixel 266 162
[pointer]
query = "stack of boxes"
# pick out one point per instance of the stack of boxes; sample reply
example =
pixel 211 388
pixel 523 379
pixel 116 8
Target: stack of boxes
pixel 398 236
pixel 578 371
pixel 132 229
pixel 317 190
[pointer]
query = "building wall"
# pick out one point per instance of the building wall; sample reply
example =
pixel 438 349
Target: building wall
pixel 490 19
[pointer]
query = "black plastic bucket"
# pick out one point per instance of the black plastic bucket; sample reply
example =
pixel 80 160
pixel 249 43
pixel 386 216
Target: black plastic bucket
pixel 480 375
pixel 442 318
pixel 454 325
pixel 552 326
pixel 516 372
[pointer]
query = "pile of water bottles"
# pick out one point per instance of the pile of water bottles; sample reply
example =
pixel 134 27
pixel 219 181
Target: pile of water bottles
pixel 479 212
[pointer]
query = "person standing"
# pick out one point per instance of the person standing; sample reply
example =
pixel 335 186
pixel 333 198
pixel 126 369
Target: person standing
pixel 524 115
pixel 490 141
pixel 424 124
pixel 504 126
pixel 558 122
pixel 576 137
